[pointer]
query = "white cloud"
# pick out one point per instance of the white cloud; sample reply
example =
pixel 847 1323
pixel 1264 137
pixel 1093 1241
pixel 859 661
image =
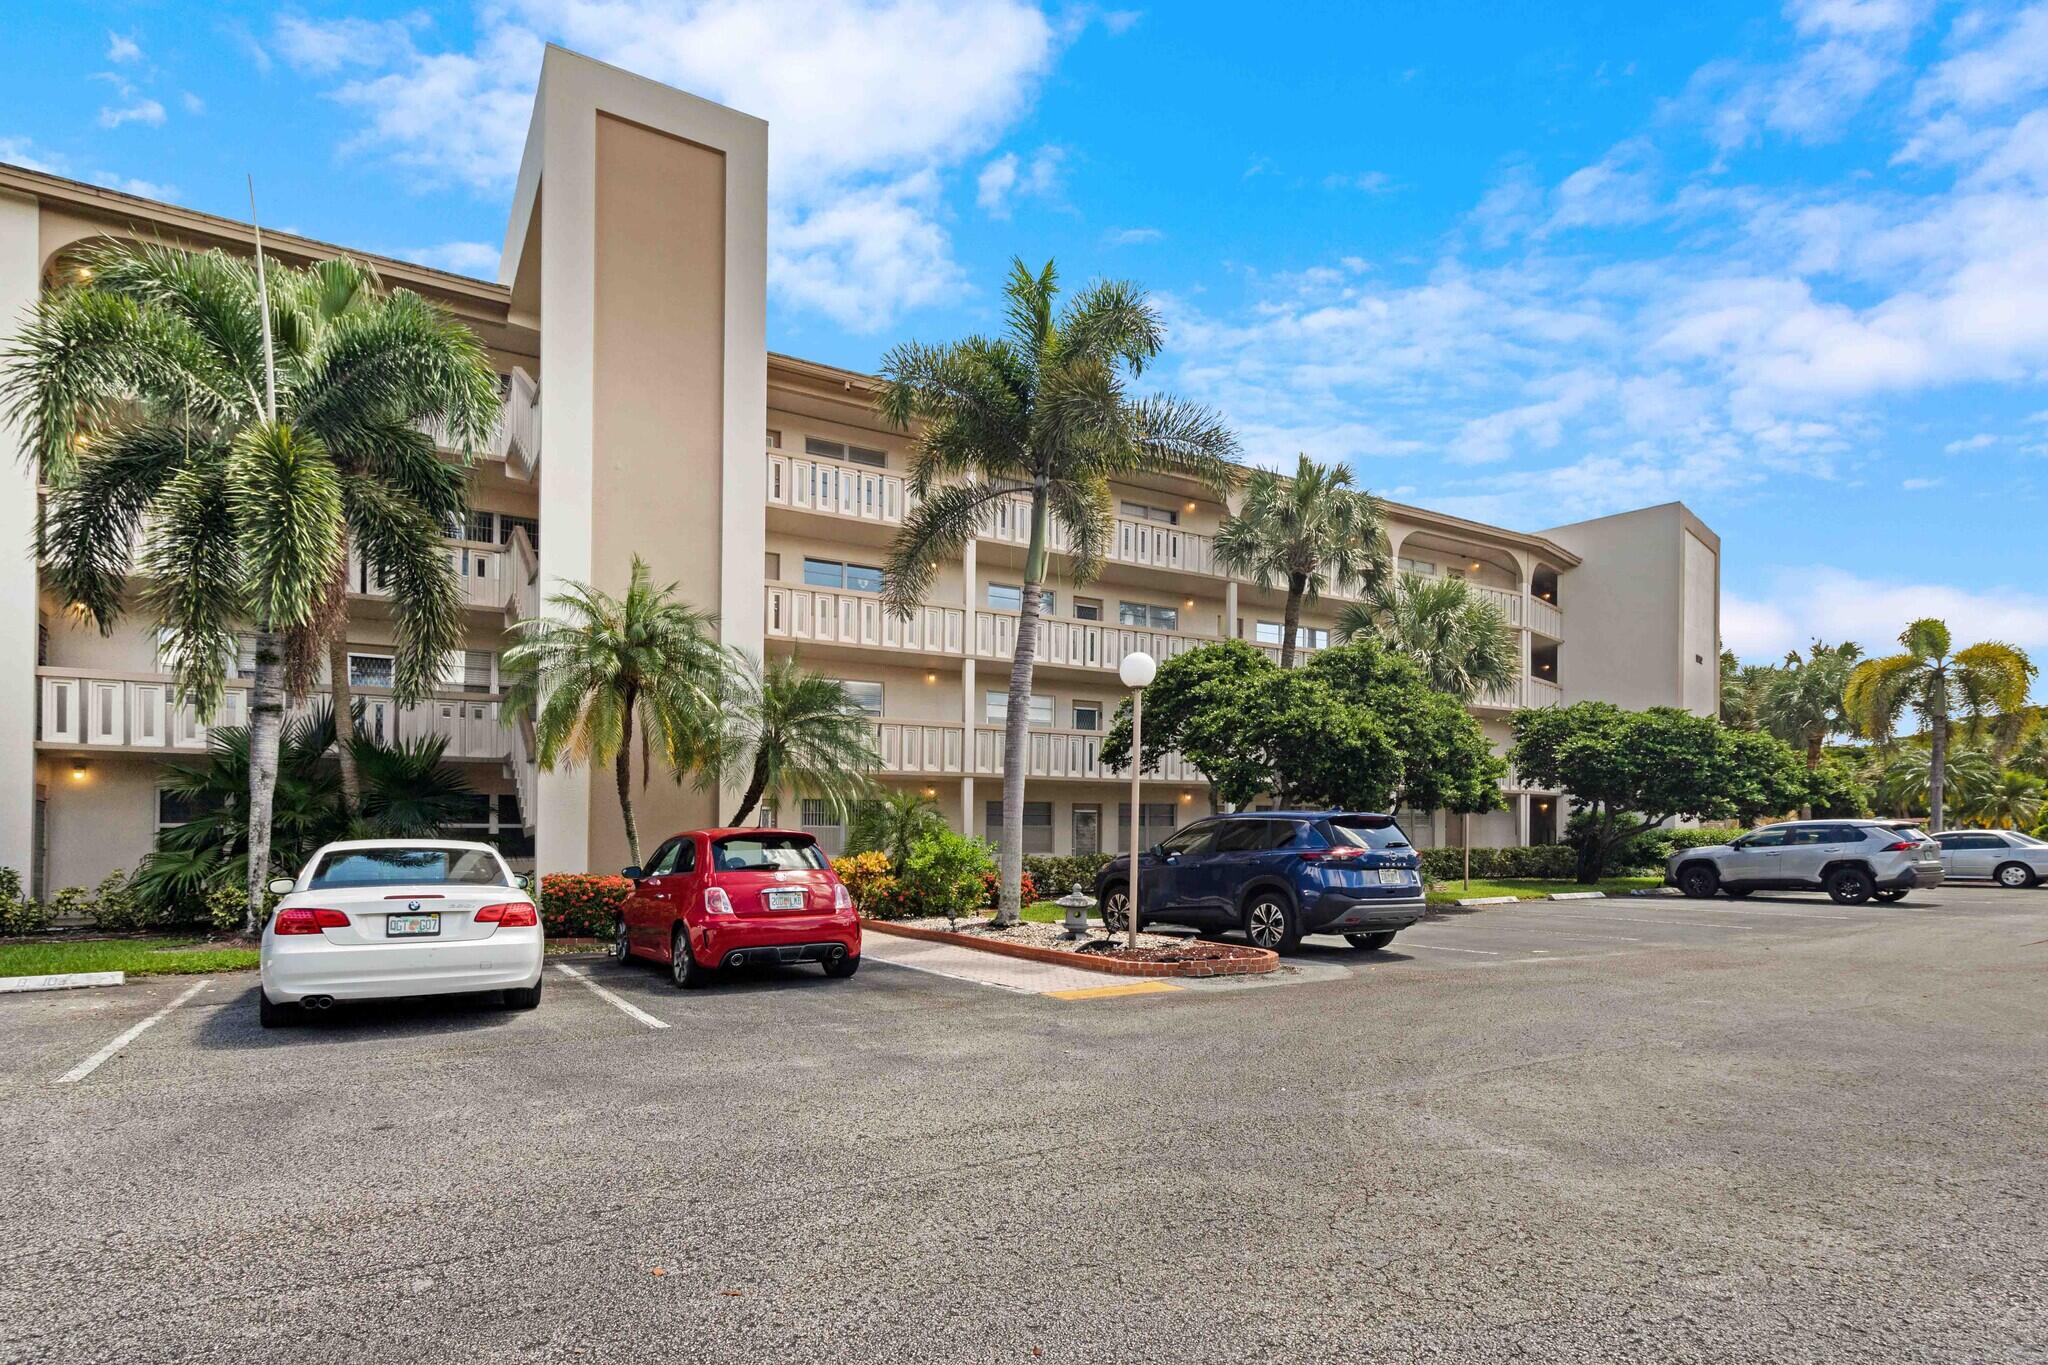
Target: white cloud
pixel 1134 236
pixel 22 152
pixel 1368 182
pixel 2012 64
pixel 1982 440
pixel 123 48
pixel 1817 602
pixel 146 111
pixel 144 189
pixel 193 104
pixel 1916 485
pixel 479 259
pixel 1007 179
pixel 872 102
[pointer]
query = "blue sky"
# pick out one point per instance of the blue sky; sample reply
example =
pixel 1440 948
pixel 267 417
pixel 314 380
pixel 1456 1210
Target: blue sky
pixel 1527 262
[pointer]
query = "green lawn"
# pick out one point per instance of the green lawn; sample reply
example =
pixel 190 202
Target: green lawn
pixel 135 956
pixel 1445 893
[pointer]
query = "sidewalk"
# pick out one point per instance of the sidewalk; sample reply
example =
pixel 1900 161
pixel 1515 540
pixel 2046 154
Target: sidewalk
pixel 1004 973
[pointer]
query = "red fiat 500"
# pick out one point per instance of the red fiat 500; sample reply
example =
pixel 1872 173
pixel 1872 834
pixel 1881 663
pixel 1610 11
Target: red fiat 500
pixel 721 897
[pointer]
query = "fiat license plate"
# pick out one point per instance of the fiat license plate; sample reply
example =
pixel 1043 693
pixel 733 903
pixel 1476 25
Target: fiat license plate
pixel 411 926
pixel 785 900
pixel 1393 876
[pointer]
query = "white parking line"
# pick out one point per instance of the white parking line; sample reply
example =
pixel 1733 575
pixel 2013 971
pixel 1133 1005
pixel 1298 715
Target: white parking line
pixel 1683 923
pixel 92 1063
pixel 1440 948
pixel 628 1006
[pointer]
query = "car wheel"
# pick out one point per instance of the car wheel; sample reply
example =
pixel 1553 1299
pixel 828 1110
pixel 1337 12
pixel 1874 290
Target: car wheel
pixel 2014 875
pixel 1115 903
pixel 1371 943
pixel 1698 881
pixel 841 968
pixel 1850 886
pixel 272 1015
pixel 1893 893
pixel 527 997
pixel 621 951
pixel 1269 923
pixel 683 967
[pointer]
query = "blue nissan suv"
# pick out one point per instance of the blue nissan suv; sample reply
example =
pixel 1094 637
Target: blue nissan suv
pixel 1276 875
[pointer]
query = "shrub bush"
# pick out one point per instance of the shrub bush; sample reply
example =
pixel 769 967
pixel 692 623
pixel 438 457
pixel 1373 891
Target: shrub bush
pixel 226 905
pixel 992 890
pixel 1055 876
pixel 871 880
pixel 18 914
pixel 116 908
pixel 1543 862
pixel 71 903
pixel 581 905
pixel 944 875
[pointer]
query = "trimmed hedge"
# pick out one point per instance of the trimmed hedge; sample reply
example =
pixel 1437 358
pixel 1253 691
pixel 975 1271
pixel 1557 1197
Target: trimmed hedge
pixel 581 905
pixel 1056 875
pixel 1548 862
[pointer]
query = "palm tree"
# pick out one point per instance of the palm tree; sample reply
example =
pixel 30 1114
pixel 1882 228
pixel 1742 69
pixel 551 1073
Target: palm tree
pixel 1463 643
pixel 2012 801
pixel 796 730
pixel 158 419
pixel 1936 685
pixel 1742 690
pixel 1902 779
pixel 1315 532
pixel 1039 415
pixel 891 823
pixel 608 665
pixel 1802 701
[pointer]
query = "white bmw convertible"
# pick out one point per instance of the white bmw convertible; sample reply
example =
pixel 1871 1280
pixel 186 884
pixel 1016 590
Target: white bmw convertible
pixel 376 919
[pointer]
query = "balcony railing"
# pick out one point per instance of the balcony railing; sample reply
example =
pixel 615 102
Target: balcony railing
pixel 1545 618
pixel 1078 644
pixel 822 616
pixel 92 709
pixel 1067 754
pixel 483 570
pixel 918 748
pixel 516 437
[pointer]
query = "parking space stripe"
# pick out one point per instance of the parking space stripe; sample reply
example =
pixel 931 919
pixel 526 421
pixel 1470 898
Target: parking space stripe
pixel 1105 992
pixel 612 996
pixel 1440 948
pixel 92 1063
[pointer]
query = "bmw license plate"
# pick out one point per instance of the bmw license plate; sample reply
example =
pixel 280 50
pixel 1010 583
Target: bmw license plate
pixel 1393 876
pixel 785 900
pixel 411 926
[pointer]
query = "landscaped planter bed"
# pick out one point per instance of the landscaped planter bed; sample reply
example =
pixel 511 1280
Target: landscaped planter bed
pixel 1189 958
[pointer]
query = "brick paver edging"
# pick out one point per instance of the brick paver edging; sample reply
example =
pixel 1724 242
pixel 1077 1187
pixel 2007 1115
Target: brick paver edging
pixel 1088 962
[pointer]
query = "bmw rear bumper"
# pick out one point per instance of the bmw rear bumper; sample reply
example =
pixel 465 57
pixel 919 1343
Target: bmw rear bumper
pixel 509 959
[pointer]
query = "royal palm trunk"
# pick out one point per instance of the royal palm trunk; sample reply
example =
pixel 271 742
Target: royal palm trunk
pixel 622 769
pixel 1016 720
pixel 344 698
pixel 266 728
pixel 1290 620
pixel 1937 770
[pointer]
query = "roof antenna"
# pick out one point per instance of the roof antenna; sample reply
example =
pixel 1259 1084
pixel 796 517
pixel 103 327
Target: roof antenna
pixel 263 288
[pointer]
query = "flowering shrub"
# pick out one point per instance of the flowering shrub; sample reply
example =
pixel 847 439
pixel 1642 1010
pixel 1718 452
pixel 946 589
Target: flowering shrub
pixel 992 890
pixel 871 880
pixel 581 905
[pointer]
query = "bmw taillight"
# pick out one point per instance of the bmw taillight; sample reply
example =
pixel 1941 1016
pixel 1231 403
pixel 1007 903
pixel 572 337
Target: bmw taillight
pixel 842 899
pixel 716 902
pixel 509 915
pixel 307 921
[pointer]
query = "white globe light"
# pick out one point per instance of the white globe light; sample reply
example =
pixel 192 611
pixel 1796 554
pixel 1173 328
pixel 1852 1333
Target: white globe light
pixel 1138 670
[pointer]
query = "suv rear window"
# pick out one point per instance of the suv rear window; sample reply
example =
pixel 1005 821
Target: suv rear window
pixel 1366 831
pixel 353 867
pixel 767 853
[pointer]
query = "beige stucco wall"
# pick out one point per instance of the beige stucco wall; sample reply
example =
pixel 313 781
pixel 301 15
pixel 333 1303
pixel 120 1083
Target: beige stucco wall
pixel 19 255
pixel 101 822
pixel 1639 609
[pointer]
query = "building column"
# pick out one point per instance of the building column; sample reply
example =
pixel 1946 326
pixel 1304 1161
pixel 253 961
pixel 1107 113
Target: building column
pixel 1522 819
pixel 1230 610
pixel 967 806
pixel 20 284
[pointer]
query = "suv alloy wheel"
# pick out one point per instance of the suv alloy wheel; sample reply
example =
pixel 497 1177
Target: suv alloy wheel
pixel 1269 923
pixel 1698 881
pixel 1850 886
pixel 1114 903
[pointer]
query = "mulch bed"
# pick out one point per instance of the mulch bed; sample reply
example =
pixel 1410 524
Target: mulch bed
pixel 1193 950
pixel 1185 959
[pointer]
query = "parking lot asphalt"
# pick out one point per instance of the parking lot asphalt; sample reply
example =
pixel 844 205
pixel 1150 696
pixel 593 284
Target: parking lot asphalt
pixel 1636 1129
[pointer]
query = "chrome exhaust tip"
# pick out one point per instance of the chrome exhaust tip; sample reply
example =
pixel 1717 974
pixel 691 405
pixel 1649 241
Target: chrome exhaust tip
pixel 317 1002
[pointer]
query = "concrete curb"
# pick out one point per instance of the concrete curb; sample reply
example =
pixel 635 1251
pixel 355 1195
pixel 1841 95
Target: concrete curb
pixel 1657 891
pixel 1578 895
pixel 1490 900
pixel 61 981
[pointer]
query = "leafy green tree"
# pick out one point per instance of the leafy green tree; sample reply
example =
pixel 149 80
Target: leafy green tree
pixel 1835 790
pixel 1313 533
pixel 1801 703
pixel 1040 418
pixel 2014 801
pixel 142 382
pixel 892 822
pixel 1968 776
pixel 1446 761
pixel 795 730
pixel 1937 683
pixel 1630 771
pixel 1461 642
pixel 605 667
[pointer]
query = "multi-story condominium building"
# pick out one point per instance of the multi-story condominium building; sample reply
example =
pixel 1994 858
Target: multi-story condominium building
pixel 631 299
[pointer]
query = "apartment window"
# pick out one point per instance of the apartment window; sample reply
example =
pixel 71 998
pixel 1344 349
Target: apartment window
pixel 1087 715
pixel 1140 511
pixel 1010 597
pixel 1148 616
pixel 1087 834
pixel 469 670
pixel 839 450
pixel 774 439
pixel 244 666
pixel 771 566
pixel 830 573
pixel 997 709
pixel 1305 637
pixel 866 695
pixel 483 526
pixel 1087 609
pixel 822 825
pixel 174 808
pixel 370 670
pixel 508 524
pixel 1158 821
pixel 1425 567
pixel 1037 825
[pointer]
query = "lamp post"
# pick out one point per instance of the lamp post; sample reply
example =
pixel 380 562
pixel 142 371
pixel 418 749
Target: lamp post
pixel 1137 671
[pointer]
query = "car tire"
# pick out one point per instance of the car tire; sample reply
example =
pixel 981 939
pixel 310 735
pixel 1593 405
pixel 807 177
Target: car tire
pixel 1698 881
pixel 273 1015
pixel 621 953
pixel 1270 922
pixel 525 997
pixel 1850 886
pixel 1111 904
pixel 2014 876
pixel 1892 893
pixel 844 967
pixel 683 967
pixel 1371 943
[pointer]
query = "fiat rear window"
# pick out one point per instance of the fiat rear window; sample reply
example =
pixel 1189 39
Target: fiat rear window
pixel 767 853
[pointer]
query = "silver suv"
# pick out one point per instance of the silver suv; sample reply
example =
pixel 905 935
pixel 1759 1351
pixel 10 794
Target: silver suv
pixel 1852 860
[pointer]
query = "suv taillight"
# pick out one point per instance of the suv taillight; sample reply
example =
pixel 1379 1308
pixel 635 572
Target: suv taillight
pixel 1344 854
pixel 1902 846
pixel 716 902
pixel 303 921
pixel 509 915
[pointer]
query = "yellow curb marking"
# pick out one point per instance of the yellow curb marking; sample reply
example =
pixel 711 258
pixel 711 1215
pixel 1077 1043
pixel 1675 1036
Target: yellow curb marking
pixel 1104 992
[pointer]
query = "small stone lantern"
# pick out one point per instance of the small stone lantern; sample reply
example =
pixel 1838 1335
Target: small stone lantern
pixel 1076 903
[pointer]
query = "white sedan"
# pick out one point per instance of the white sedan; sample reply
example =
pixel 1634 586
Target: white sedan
pixel 376 919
